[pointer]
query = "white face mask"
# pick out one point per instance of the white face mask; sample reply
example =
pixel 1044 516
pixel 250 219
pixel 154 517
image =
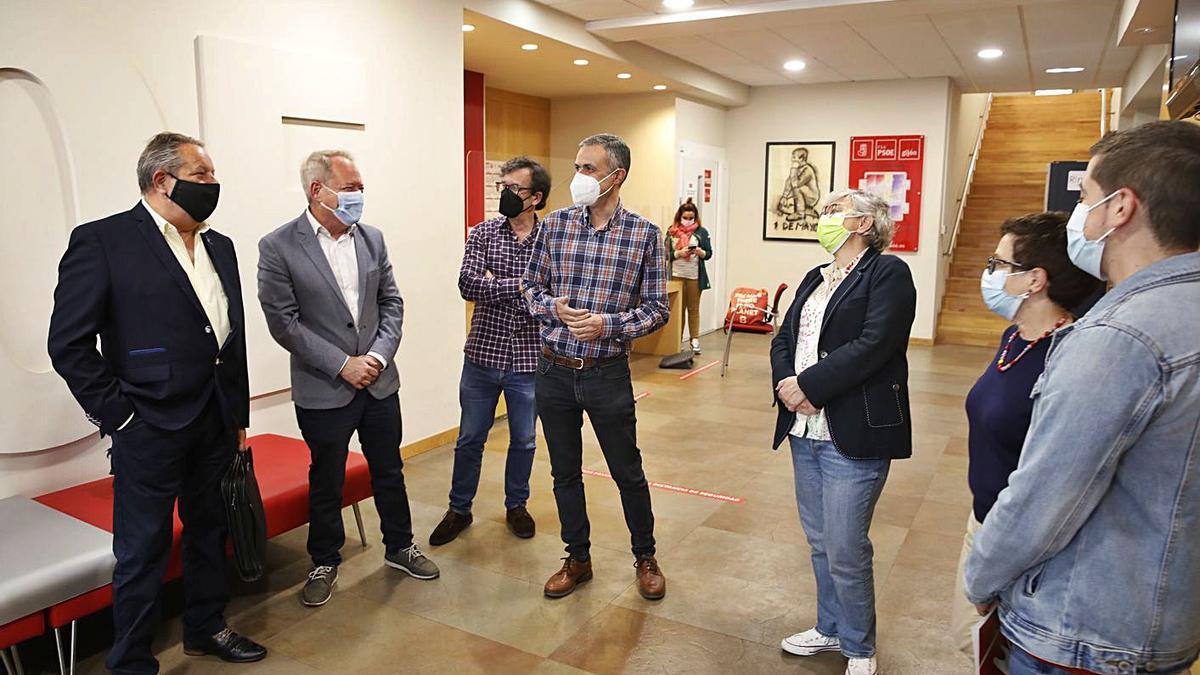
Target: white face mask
pixel 1086 253
pixel 996 297
pixel 585 189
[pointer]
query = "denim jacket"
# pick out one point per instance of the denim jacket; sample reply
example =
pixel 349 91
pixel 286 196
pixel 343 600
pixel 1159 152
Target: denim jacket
pixel 1093 550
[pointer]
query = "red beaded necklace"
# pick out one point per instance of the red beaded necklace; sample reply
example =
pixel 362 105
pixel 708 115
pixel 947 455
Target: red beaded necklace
pixel 1002 365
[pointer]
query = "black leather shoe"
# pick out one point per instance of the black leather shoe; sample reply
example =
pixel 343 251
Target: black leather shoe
pixel 451 526
pixel 520 522
pixel 228 646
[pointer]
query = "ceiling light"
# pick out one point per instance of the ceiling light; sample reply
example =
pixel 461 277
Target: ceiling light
pixel 623 76
pixel 795 65
pixel 678 4
pixel 467 28
pixel 991 53
pixel 581 62
pixel 1053 92
pixel 660 87
pixel 1181 56
pixel 1145 30
pixel 529 47
pixel 1069 69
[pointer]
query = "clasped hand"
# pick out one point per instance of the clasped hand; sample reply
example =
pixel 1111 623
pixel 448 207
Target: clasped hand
pixel 584 325
pixel 361 371
pixel 793 397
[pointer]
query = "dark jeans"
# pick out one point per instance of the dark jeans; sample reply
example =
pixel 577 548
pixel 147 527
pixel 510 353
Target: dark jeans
pixel 605 393
pixel 327 433
pixel 478 392
pixel 151 468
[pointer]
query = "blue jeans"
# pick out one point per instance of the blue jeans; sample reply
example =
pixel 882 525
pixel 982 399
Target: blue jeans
pixel 478 392
pixel 836 497
pixel 1020 662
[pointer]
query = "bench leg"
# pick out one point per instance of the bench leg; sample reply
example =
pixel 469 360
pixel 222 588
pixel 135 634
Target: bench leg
pixel 73 632
pixel 58 651
pixel 728 344
pixel 9 668
pixel 362 533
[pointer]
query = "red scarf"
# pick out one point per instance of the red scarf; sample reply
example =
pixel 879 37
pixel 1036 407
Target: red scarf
pixel 683 234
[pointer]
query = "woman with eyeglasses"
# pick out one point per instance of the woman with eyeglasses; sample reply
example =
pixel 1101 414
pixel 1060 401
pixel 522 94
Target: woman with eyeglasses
pixel 1030 281
pixel 840 372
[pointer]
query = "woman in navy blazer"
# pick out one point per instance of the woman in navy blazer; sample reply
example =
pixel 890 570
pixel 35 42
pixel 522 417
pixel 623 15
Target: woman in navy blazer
pixel 840 375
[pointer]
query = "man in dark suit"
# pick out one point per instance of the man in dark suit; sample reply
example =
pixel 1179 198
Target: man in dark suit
pixel 326 286
pixel 169 384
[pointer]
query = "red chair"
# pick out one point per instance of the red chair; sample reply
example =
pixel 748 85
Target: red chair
pixel 14 633
pixel 749 313
pixel 281 466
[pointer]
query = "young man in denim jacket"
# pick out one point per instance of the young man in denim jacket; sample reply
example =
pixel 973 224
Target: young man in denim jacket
pixel 1093 551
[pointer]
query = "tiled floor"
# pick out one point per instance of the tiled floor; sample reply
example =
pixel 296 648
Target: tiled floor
pixel 738 575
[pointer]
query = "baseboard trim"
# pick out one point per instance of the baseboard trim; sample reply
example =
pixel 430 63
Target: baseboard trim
pixel 920 342
pixel 429 443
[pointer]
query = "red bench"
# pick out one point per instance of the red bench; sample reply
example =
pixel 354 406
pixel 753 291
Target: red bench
pixel 15 632
pixel 281 466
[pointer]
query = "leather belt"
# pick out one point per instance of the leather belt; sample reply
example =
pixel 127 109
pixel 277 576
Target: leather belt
pixel 578 362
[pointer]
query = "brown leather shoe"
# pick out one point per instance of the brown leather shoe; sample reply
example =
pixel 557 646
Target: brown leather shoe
pixel 564 581
pixel 650 580
pixel 520 522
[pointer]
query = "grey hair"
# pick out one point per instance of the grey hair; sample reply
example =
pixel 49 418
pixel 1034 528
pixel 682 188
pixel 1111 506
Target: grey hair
pixel 162 152
pixel 318 166
pixel 618 151
pixel 871 204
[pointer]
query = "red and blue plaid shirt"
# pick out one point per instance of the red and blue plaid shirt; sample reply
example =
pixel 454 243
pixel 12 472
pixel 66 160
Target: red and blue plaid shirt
pixel 618 272
pixel 503 335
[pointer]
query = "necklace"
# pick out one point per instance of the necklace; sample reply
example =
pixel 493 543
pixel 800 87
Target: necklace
pixel 1003 364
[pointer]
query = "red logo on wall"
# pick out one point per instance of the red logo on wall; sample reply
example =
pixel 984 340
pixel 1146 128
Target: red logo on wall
pixel 891 167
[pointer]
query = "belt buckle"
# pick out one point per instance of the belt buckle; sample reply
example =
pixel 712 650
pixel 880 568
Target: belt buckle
pixel 582 363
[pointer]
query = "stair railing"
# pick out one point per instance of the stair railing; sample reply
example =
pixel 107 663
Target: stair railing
pixel 962 201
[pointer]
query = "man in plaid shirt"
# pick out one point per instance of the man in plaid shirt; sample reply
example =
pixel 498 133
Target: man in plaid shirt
pixel 596 280
pixel 501 350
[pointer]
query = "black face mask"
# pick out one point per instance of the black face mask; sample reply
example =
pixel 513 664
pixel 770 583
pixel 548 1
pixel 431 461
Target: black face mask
pixel 511 204
pixel 198 200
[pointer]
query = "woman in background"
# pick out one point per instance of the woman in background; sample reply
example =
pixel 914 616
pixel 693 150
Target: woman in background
pixel 1031 282
pixel 688 246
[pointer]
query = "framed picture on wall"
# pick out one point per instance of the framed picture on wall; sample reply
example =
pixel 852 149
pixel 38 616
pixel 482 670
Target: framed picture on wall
pixel 799 175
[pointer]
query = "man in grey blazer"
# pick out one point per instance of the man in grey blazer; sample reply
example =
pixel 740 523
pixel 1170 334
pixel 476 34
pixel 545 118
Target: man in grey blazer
pixel 326 287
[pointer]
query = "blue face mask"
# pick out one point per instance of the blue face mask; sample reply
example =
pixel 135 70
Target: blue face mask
pixel 996 298
pixel 350 206
pixel 1086 253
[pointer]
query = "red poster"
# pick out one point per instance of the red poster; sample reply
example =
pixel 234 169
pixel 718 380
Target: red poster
pixel 890 166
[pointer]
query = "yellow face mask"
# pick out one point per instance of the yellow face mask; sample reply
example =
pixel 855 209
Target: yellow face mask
pixel 831 231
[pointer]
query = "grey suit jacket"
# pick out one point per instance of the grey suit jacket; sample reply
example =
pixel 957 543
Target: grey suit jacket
pixel 307 314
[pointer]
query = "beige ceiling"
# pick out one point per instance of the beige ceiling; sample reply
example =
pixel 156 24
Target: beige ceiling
pixel 494 49
pixel 848 40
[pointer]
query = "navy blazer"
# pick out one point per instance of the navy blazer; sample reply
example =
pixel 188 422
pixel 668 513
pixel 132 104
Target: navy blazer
pixel 861 376
pixel 119 279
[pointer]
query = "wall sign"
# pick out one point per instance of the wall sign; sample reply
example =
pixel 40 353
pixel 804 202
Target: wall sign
pixel 891 167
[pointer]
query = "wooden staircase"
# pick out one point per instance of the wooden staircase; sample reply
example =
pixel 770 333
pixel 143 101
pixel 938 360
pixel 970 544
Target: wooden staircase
pixel 1024 134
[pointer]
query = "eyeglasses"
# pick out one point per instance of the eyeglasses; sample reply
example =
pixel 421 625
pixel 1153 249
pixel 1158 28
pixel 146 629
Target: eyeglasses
pixel 995 261
pixel 501 186
pixel 830 210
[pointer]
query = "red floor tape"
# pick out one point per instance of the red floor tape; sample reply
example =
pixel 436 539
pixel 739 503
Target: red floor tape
pixel 699 370
pixel 678 489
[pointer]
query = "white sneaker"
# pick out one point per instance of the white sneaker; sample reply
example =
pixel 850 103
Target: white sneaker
pixel 866 666
pixel 695 346
pixel 810 642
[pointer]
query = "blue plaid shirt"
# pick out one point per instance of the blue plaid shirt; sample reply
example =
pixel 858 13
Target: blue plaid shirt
pixel 618 272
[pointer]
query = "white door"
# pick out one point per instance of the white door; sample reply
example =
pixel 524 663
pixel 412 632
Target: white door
pixel 701 173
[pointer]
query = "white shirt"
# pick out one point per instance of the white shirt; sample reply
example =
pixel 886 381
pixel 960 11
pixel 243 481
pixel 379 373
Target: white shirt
pixel 343 260
pixel 808 337
pixel 201 273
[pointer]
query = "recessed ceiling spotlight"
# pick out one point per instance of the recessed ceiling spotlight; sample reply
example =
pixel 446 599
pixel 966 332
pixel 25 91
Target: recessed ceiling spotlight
pixel 660 87
pixel 529 47
pixel 991 53
pixel 623 76
pixel 678 4
pixel 467 28
pixel 1053 92
pixel 581 62
pixel 1069 69
pixel 795 65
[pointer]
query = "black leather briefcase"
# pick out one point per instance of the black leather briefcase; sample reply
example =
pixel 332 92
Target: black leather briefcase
pixel 247 521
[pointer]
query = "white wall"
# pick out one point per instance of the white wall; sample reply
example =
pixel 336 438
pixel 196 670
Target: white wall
pixel 965 117
pixel 646 122
pixel 112 73
pixel 699 123
pixel 834 112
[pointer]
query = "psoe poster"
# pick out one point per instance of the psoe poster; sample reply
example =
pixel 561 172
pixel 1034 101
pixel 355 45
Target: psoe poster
pixel 891 167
